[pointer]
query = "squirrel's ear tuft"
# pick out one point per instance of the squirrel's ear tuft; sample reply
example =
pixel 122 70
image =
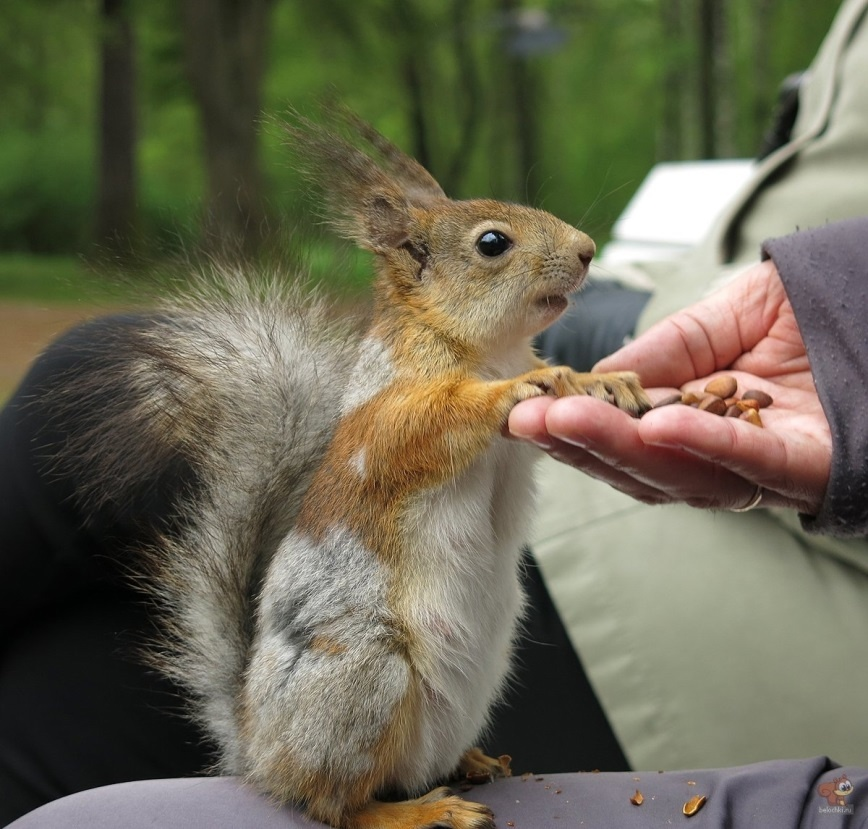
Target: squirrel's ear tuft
pixel 416 182
pixel 367 193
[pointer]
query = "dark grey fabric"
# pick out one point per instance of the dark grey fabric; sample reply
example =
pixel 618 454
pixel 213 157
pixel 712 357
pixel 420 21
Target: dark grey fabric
pixel 825 273
pixel 78 708
pixel 774 795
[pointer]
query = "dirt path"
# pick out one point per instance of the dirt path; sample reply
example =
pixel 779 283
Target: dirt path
pixel 25 329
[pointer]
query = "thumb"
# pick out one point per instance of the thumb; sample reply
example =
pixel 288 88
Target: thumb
pixel 706 337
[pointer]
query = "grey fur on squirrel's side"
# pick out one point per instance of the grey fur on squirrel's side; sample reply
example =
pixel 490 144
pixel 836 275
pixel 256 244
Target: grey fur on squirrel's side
pixel 240 376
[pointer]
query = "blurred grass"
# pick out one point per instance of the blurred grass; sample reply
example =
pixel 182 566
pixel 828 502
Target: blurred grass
pixel 49 279
pixel 66 280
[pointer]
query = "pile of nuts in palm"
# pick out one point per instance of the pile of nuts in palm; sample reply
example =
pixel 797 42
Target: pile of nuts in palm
pixel 719 397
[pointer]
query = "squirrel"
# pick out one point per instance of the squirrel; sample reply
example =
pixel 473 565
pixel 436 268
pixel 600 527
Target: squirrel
pixel 341 589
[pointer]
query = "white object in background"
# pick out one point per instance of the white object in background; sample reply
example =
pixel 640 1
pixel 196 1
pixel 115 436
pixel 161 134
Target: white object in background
pixel 674 208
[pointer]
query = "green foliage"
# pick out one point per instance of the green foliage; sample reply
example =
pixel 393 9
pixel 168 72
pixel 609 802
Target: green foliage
pixel 48 69
pixel 572 120
pixel 46 189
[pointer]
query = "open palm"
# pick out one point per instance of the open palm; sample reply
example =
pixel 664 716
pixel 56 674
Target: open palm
pixel 677 453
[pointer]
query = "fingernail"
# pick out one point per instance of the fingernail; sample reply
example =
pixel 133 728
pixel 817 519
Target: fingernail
pixel 579 441
pixel 542 443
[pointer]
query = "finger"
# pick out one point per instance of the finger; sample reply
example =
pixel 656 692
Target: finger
pixel 527 421
pixel 616 477
pixel 705 337
pixel 793 468
pixel 609 445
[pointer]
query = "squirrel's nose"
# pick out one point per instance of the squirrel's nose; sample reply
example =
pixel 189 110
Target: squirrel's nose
pixel 587 249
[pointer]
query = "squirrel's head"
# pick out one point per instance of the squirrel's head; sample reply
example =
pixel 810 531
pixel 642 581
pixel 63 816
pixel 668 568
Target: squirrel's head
pixel 481 270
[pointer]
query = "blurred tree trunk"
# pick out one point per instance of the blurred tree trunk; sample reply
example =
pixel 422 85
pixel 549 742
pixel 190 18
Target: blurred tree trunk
pixel 409 29
pixel 765 85
pixel 116 189
pixel 715 91
pixel 225 43
pixel 525 91
pixel 469 113
pixel 431 145
pixel 524 95
pixel 672 143
pixel 429 48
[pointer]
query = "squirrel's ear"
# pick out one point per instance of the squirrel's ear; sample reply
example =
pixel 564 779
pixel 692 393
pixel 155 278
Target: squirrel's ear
pixel 365 202
pixel 385 222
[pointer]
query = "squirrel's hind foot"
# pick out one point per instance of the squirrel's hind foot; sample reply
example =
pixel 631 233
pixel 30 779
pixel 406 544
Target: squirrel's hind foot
pixel 439 807
pixel 477 767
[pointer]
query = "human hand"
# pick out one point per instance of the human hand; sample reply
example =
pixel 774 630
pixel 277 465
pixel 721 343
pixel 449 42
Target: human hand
pixel 679 454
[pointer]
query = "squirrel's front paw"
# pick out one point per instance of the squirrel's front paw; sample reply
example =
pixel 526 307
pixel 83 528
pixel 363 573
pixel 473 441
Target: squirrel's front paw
pixel 622 388
pixel 619 387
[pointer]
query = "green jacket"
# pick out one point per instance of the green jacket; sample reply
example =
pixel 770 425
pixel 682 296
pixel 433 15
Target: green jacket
pixel 717 639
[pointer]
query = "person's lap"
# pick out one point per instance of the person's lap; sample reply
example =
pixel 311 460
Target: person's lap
pixel 776 795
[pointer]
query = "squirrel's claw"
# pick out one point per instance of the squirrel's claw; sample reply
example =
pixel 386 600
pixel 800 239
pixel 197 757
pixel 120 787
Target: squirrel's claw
pixel 477 767
pixel 438 808
pixel 621 388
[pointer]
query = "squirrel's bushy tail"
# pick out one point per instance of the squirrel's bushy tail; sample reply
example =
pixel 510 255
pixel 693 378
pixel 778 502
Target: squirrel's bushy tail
pixel 240 382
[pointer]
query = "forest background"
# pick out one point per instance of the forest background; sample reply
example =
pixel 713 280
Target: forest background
pixel 137 131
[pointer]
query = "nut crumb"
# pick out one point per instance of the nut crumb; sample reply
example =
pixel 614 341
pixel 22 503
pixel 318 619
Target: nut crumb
pixel 693 805
pixel 638 799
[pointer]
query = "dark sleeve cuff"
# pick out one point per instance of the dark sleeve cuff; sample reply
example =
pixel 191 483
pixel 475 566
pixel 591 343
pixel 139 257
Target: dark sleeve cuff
pixel 825 273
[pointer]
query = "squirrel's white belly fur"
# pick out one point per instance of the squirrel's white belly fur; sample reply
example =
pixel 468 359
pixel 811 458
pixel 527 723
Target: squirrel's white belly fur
pixel 464 597
pixel 460 607
pixel 457 601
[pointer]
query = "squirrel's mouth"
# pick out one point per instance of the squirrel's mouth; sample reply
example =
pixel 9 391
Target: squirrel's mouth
pixel 553 303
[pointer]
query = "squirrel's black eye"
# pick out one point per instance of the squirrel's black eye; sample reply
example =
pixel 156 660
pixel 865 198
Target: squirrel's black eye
pixel 493 243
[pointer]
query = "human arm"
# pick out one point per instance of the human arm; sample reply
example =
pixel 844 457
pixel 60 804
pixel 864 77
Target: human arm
pixel 751 330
